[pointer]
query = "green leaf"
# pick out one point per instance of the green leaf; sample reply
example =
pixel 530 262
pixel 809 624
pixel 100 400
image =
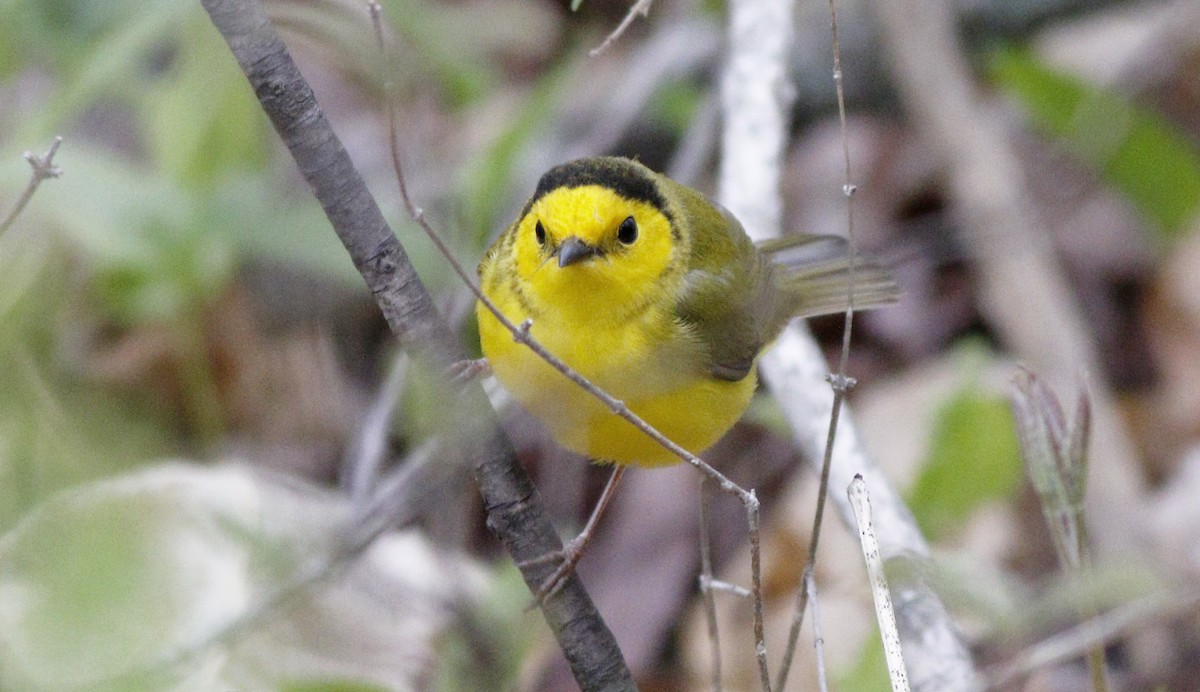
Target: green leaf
pixel 145 239
pixel 974 458
pixel 1139 152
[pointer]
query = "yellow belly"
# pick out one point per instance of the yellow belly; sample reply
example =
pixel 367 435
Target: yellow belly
pixel 628 362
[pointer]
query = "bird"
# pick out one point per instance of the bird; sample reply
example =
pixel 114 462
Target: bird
pixel 655 294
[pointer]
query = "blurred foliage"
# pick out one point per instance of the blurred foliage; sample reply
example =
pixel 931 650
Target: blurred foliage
pixel 973 456
pixel 174 182
pixel 487 651
pixel 330 686
pixel 158 218
pixel 117 576
pixel 54 430
pixel 1153 163
pixel 485 189
pixel 141 582
pixel 869 672
pixel 675 105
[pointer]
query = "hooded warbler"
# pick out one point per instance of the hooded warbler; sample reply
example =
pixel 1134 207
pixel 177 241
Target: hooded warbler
pixel 654 293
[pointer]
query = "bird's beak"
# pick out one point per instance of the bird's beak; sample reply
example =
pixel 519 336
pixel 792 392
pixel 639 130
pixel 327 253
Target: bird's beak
pixel 573 250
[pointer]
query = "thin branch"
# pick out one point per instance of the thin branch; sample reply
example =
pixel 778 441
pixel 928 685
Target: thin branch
pixel 810 587
pixel 840 382
pixel 860 500
pixel 641 8
pixel 1089 634
pixel 706 587
pixel 366 455
pixel 841 385
pixel 726 587
pixel 43 168
pixel 756 97
pixel 515 512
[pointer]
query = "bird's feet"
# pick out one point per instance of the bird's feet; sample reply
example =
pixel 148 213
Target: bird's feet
pixel 566 558
pixel 569 556
pixel 466 370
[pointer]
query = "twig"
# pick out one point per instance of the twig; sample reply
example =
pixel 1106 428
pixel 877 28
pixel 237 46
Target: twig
pixel 840 382
pixel 706 587
pixel 841 385
pixel 861 501
pixel 810 587
pixel 521 334
pixel 43 168
pixel 639 8
pixel 726 587
pixel 756 96
pixel 370 446
pixel 1087 635
pixel 515 512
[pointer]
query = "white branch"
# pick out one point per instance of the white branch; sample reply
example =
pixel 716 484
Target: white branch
pixel 860 500
pixel 756 97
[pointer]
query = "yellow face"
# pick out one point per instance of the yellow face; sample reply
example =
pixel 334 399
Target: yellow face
pixel 592 253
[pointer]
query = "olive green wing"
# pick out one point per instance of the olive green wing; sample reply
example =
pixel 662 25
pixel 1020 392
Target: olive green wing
pixel 812 277
pixel 719 310
pixel 737 296
pixel 725 301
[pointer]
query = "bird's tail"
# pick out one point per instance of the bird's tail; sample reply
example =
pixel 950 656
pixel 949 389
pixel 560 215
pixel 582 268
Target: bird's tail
pixel 813 273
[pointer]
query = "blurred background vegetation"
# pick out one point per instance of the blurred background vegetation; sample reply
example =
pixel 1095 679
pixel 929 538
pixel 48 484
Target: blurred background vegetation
pixel 187 356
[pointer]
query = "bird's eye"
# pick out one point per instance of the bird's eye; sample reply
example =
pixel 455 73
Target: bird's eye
pixel 628 231
pixel 539 233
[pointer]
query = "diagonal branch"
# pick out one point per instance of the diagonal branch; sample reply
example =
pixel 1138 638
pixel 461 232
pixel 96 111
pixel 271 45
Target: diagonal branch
pixel 756 100
pixel 515 512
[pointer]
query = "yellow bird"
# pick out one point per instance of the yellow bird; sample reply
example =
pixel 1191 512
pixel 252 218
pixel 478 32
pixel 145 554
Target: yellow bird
pixel 656 294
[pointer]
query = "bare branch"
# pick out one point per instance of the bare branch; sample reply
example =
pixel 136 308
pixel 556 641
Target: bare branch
pixel 707 590
pixel 756 96
pixel 43 168
pixel 1090 634
pixel 366 455
pixel 860 500
pixel 640 8
pixel 810 587
pixel 514 507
